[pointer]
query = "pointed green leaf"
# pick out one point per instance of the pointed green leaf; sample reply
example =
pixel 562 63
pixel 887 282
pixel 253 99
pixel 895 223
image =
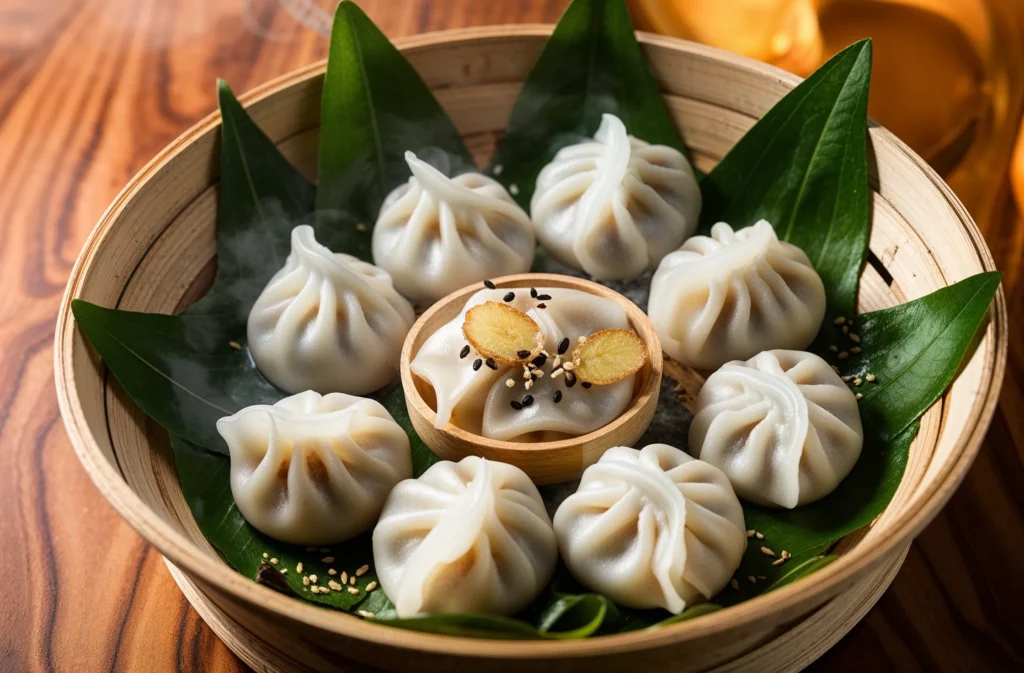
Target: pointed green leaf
pixel 592 64
pixel 914 350
pixel 803 167
pixel 374 107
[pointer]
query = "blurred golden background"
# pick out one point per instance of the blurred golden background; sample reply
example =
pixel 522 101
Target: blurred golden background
pixel 948 75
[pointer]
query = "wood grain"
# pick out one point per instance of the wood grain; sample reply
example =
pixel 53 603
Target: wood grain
pixel 89 91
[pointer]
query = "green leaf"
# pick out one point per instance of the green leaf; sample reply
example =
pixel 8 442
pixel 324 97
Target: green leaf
pixel 205 482
pixel 591 65
pixel 803 167
pixel 374 108
pixel 914 350
pixel 180 369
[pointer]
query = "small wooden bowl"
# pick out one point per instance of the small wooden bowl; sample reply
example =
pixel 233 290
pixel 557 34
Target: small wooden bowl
pixel 546 462
pixel 155 249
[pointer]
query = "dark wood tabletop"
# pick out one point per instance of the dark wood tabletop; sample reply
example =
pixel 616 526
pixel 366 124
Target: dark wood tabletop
pixel 90 90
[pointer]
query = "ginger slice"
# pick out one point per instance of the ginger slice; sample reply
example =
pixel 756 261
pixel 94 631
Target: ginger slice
pixel 609 356
pixel 503 333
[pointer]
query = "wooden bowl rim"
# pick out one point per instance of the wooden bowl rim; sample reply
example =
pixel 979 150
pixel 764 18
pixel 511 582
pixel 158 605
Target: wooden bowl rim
pixel 642 398
pixel 221 578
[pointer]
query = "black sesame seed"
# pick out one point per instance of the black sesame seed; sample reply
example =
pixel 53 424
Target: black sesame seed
pixel 516 405
pixel 542 297
pixel 533 292
pixel 558 396
pixel 464 352
pixel 540 360
pixel 523 354
pixel 477 363
pixel 570 379
pixel 586 384
pixel 563 346
pixel 491 363
pixel 489 285
pixel 542 305
pixel 510 296
pixel 527 401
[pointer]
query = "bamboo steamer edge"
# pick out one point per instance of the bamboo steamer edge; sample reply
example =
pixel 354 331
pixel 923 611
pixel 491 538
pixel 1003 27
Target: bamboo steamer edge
pixel 158 238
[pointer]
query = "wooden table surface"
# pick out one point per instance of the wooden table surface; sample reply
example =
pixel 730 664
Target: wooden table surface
pixel 89 91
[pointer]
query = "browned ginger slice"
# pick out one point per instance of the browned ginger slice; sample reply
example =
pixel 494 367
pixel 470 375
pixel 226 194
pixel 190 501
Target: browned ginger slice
pixel 503 333
pixel 609 356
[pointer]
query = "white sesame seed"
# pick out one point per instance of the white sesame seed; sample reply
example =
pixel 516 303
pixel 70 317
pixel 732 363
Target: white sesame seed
pixel 858 381
pixel 312 578
pixel 328 559
pixel 539 373
pixel 847 378
pixel 840 320
pixel 234 344
pixel 528 384
pixel 759 536
pixel 786 554
pixel 513 189
pixel 352 580
pixel 274 561
pixel 332 571
pixel 870 377
pixel 284 571
pixel 778 561
pixel 568 366
pixel 353 591
pixel 334 585
pixel 266 555
pixel 371 586
pixel 844 355
pixel 558 372
pixel 315 590
pixel 767 552
pixel 498 169
pixel 344 577
pixel 751 532
pixel 854 338
pixel 305 581
pixel 855 349
pixel 510 383
pixel 734 584
pixel 527 374
pixel 298 567
pixel 858 396
pixel 365 613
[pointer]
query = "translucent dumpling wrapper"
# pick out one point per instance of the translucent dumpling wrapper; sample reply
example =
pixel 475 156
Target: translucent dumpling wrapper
pixel 652 528
pixel 481 402
pixel 328 322
pixel 731 295
pixel 615 205
pixel 464 537
pixel 314 469
pixel 782 426
pixel 437 234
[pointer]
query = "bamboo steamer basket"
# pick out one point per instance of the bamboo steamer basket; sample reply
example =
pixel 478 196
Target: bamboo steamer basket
pixel 154 250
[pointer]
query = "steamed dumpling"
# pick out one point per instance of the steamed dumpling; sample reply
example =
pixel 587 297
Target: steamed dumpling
pixel 652 528
pixel 614 206
pixel 314 469
pixel 465 537
pixel 731 295
pixel 437 234
pixel 481 402
pixel 782 426
pixel 328 322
